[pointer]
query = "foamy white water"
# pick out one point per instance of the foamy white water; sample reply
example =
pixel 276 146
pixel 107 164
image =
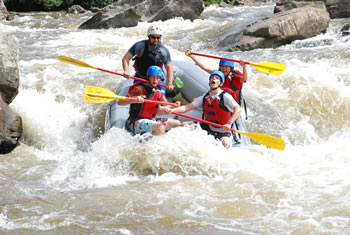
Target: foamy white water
pixel 67 176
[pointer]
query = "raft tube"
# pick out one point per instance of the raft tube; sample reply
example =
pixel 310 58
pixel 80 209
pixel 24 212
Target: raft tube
pixel 195 82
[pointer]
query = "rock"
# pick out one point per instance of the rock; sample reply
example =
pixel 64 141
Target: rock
pixel 284 5
pixel 285 27
pixel 3 11
pixel 129 13
pixel 10 128
pixel 76 9
pixel 9 73
pixel 10 123
pixel 345 30
pixel 338 8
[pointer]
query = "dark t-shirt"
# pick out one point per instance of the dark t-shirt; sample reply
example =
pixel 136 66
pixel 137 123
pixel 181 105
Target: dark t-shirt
pixel 138 48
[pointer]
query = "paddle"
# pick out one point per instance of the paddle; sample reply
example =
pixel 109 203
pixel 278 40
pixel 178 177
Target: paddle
pixel 267 140
pixel 266 67
pixel 177 80
pixel 101 95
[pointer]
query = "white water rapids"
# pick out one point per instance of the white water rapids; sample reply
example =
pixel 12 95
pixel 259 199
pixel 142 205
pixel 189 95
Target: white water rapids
pixel 68 177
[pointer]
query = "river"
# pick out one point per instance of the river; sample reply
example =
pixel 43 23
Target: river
pixel 69 177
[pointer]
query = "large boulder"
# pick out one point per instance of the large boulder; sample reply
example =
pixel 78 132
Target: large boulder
pixel 10 128
pixel 76 9
pixel 285 5
pixel 128 13
pixel 10 123
pixel 3 11
pixel 338 8
pixel 9 73
pixel 285 27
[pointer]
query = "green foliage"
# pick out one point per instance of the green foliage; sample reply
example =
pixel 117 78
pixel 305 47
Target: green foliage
pixel 100 3
pixel 52 4
pixel 210 2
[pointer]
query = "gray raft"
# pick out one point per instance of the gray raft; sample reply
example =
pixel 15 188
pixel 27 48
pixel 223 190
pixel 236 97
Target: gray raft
pixel 195 84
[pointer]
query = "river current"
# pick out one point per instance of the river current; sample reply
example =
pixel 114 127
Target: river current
pixel 69 177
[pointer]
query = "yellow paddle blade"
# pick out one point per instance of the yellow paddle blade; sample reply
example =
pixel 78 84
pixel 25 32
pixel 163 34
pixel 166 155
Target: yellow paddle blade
pixel 75 61
pixel 99 95
pixel 267 140
pixel 270 68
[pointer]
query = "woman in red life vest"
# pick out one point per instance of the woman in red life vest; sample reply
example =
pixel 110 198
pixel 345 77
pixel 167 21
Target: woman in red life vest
pixel 142 116
pixel 234 79
pixel 218 106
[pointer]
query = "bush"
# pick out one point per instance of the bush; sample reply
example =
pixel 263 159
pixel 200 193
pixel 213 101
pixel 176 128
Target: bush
pixel 52 5
pixel 210 2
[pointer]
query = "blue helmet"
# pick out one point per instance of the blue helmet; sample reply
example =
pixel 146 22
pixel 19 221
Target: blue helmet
pixel 220 74
pixel 155 70
pixel 227 62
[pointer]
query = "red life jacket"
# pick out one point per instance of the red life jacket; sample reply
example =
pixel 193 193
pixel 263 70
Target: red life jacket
pixel 215 110
pixel 234 85
pixel 145 110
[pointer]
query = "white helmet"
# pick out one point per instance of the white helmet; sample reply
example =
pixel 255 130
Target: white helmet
pixel 154 30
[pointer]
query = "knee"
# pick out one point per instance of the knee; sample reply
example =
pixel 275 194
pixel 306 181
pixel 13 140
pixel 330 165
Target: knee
pixel 158 128
pixel 226 142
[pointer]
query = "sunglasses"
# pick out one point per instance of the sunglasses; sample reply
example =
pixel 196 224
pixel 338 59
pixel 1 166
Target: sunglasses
pixel 153 37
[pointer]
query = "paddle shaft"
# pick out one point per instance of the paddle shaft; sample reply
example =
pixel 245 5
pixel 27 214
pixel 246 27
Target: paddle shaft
pixel 126 98
pixel 200 120
pixel 132 77
pixel 267 140
pixel 217 57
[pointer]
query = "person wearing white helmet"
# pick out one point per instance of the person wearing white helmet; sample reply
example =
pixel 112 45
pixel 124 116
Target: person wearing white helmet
pixel 147 53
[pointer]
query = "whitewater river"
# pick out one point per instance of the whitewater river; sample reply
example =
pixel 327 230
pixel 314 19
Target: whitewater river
pixel 69 177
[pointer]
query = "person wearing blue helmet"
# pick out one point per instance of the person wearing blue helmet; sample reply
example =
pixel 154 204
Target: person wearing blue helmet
pixel 234 79
pixel 142 116
pixel 218 106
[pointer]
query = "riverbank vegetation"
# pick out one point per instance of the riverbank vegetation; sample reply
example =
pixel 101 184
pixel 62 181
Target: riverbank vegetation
pixel 56 5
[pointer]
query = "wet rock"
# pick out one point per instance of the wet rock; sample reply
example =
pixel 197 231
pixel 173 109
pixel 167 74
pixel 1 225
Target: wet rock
pixel 338 8
pixel 9 73
pixel 10 128
pixel 3 11
pixel 345 30
pixel 285 27
pixel 285 5
pixel 129 13
pixel 10 123
pixel 76 9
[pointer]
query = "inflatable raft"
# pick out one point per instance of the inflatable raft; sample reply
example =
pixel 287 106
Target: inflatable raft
pixel 195 83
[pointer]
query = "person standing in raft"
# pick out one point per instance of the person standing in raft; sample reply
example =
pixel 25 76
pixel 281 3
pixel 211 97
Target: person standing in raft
pixel 147 53
pixel 142 115
pixel 218 107
pixel 234 79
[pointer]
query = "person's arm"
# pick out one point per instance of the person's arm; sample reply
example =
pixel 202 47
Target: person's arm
pixel 200 64
pixel 236 112
pixel 244 78
pixel 183 108
pixel 125 62
pixel 140 99
pixel 234 108
pixel 135 92
pixel 170 75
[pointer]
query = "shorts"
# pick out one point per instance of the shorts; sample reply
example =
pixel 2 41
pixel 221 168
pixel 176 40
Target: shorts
pixel 144 125
pixel 217 135
pixel 141 126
